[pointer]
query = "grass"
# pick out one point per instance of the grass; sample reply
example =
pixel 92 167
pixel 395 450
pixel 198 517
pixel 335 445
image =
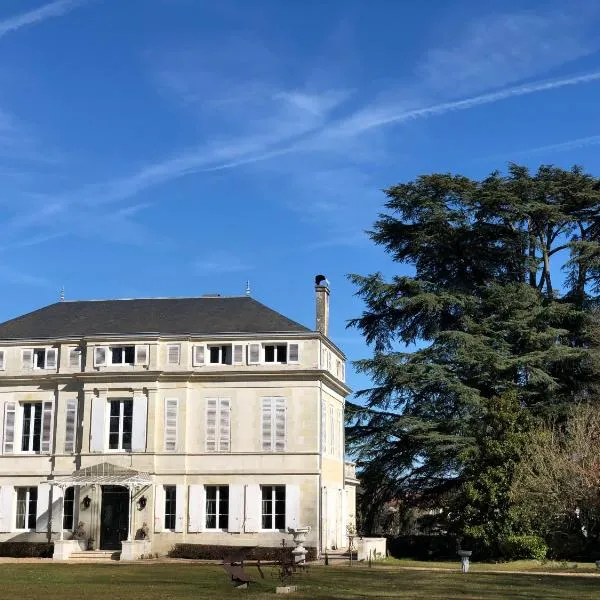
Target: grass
pixel 183 581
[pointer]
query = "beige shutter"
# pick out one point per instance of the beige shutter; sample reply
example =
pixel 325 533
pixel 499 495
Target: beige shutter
pixel 100 356
pixel 236 508
pixel 196 508
pixel 224 425
pixel 141 354
pixel 253 516
pixel 173 354
pixel 2 360
pixel 7 508
pixel 70 425
pixel 74 358
pixel 27 356
pixel 198 355
pixel 47 410
pixel 323 427
pixel 238 354
pixel 51 358
pixel 292 505
pixel 331 433
pixel 10 416
pixel 267 424
pixel 253 354
pixel 280 425
pixel 159 508
pixel 179 507
pixel 211 424
pixel 171 411
pixel 42 519
pixel 293 353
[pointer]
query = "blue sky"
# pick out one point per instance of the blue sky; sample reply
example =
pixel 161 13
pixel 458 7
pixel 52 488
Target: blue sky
pixel 182 147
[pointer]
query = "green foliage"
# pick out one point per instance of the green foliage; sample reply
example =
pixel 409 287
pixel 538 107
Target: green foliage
pixel 517 547
pixel 27 549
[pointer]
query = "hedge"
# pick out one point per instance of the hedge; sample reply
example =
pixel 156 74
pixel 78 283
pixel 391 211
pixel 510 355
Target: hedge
pixel 423 547
pixel 516 547
pixel 27 549
pixel 217 552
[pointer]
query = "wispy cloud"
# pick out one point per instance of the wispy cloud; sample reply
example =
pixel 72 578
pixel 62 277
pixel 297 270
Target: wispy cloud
pixel 575 144
pixel 32 17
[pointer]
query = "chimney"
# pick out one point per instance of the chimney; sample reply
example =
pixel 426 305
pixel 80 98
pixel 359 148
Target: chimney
pixel 322 298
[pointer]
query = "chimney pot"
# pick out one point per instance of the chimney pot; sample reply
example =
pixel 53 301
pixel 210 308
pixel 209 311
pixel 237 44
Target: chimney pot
pixel 322 304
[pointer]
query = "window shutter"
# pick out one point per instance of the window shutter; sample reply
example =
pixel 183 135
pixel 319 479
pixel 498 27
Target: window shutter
pixel 173 354
pixel 292 506
pixel 238 354
pixel 331 434
pixel 98 425
pixel 141 354
pixel 293 353
pixel 56 509
pixel 329 360
pixel 179 508
pixel 75 358
pixel 280 425
pixel 42 517
pixel 10 415
pixel 27 356
pixel 323 427
pixel 171 413
pixel 224 425
pixel 100 354
pixel 47 410
pixel 70 425
pixel 196 508
pixel 138 429
pixel 253 354
pixel 267 425
pixel 51 358
pixel 7 508
pixel 2 360
pixel 253 516
pixel 198 356
pixel 159 508
pixel 236 508
pixel 211 424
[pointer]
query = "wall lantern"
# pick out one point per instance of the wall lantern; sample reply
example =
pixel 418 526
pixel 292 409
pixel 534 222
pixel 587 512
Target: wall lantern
pixel 86 502
pixel 142 503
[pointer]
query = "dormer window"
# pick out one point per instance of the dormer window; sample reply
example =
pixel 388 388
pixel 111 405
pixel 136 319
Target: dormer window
pixel 39 358
pixel 220 355
pixel 122 355
pixel 275 353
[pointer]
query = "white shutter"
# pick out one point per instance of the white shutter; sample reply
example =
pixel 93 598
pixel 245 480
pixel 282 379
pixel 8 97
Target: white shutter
pixel 173 354
pixel 98 426
pixel 7 508
pixel 267 424
pixel 100 356
pixel 70 425
pixel 253 354
pixel 141 354
pixel 159 508
pixel 293 353
pixel 47 411
pixel 171 414
pixel 253 517
pixel 51 358
pixel 323 427
pixel 211 424
pixel 10 416
pixel 138 430
pixel 224 425
pixel 2 360
pixel 198 355
pixel 238 354
pixel 196 508
pixel 292 506
pixel 236 508
pixel 56 510
pixel 280 425
pixel 27 356
pixel 74 358
pixel 179 507
pixel 43 502
pixel 331 434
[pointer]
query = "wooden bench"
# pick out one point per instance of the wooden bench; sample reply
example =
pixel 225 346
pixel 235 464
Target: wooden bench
pixel 239 577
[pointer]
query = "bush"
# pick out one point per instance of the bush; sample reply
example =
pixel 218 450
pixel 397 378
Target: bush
pixel 515 547
pixel 216 552
pixel 423 547
pixel 27 549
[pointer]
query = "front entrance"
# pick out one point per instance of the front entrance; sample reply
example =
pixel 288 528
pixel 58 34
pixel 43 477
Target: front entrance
pixel 114 517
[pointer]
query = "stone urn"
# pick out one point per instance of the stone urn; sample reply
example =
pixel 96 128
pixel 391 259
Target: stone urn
pixel 299 536
pixel 464 559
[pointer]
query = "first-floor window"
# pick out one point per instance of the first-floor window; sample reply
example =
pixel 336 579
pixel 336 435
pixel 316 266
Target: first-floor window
pixel 170 506
pixel 68 507
pixel 273 506
pixel 32 427
pixel 121 420
pixel 217 506
pixel 26 507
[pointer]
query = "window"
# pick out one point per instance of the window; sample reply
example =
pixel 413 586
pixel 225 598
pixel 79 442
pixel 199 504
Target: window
pixel 273 506
pixel 75 358
pixel 170 506
pixel 31 435
pixel 120 424
pixel 2 360
pixel 68 507
pixel 173 354
pixel 275 353
pixel 273 424
pixel 220 355
pixel 39 358
pixel 217 507
pixel 122 355
pixel 26 507
pixel 218 424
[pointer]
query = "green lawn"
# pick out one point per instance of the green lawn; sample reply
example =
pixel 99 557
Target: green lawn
pixel 180 581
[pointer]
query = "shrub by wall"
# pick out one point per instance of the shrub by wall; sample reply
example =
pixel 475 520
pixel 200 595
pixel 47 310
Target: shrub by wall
pixel 423 547
pixel 27 549
pixel 516 547
pixel 216 552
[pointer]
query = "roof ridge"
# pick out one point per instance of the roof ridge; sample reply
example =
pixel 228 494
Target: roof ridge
pixel 201 297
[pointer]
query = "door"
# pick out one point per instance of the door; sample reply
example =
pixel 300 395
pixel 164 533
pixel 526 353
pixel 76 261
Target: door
pixel 114 517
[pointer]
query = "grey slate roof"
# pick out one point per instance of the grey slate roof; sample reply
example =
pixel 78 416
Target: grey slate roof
pixel 166 316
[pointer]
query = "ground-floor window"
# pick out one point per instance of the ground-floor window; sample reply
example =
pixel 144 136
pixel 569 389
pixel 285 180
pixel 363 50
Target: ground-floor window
pixel 68 507
pixel 217 506
pixel 170 506
pixel 26 507
pixel 273 506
